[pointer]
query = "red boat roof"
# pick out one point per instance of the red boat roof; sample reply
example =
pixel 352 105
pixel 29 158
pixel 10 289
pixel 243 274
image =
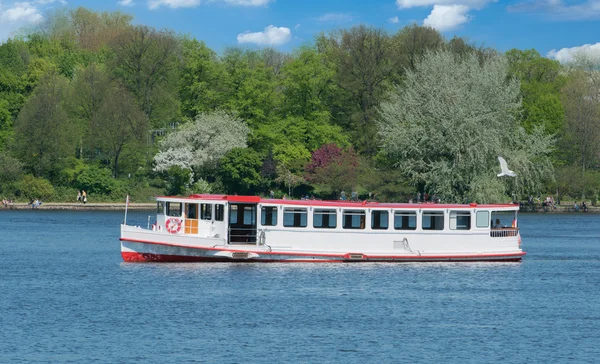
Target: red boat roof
pixel 331 203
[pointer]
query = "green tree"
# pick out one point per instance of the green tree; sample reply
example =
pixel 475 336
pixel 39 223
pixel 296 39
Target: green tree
pixel 446 127
pixel 35 188
pixel 89 89
pixel 364 61
pixel 5 123
pixel 582 127
pixel 43 134
pixel 413 42
pixel 240 171
pixel 95 180
pixel 541 82
pixel 118 126
pixel 201 89
pixel 146 60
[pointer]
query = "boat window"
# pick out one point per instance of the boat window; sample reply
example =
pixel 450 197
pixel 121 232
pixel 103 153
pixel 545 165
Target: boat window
pixel 233 214
pixel 174 209
pixel 482 219
pixel 405 220
pixel 206 211
pixel 460 220
pixel 353 219
pixel 325 218
pixel 219 212
pixel 379 220
pixel 249 215
pixel 160 207
pixel 294 217
pixel 192 210
pixel 268 215
pixel 433 220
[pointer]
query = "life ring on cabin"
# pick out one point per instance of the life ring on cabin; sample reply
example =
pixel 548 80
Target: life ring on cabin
pixel 173 225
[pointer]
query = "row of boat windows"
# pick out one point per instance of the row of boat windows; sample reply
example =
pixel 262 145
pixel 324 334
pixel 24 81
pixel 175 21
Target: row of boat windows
pixel 327 218
pixel 379 219
pixel 203 211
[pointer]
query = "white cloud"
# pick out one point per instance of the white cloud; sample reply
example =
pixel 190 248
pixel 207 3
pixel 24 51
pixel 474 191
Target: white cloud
pixel 22 13
pixel 558 10
pixel 335 17
pixel 270 36
pixel 565 55
pixel 44 2
pixel 126 3
pixel 447 17
pixel 394 20
pixel 474 4
pixel 155 4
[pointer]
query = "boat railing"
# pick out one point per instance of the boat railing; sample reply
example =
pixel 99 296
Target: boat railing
pixel 504 232
pixel 242 235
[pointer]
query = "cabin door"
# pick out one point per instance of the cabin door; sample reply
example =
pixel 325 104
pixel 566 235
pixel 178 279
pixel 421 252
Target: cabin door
pixel 242 223
pixel 191 218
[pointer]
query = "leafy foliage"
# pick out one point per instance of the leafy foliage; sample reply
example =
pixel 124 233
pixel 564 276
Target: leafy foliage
pixel 35 188
pixel 447 141
pixel 201 143
pixel 240 170
pixel 95 180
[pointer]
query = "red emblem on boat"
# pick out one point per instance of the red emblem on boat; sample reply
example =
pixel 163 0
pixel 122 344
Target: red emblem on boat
pixel 173 225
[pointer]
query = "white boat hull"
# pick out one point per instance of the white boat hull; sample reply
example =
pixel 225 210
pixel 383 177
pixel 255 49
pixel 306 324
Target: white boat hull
pixel 138 245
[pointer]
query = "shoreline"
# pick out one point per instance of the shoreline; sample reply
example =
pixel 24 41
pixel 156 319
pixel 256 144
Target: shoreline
pixel 100 206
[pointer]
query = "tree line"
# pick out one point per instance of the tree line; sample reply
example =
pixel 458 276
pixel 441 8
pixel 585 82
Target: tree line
pixel 90 101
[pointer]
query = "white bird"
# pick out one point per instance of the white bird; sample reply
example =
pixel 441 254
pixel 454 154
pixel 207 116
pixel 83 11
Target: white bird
pixel 505 170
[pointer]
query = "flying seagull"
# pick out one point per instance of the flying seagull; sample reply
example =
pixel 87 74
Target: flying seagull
pixel 505 170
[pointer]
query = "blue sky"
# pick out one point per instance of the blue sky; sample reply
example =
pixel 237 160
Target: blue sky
pixel 555 28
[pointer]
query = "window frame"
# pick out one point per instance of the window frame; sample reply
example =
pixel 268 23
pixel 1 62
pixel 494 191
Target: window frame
pixel 323 212
pixel 387 219
pixel 297 221
pixel 362 220
pixel 273 211
pixel 433 213
pixel 409 214
pixel 455 214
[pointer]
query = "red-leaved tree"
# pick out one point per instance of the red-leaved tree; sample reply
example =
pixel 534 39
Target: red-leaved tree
pixel 333 169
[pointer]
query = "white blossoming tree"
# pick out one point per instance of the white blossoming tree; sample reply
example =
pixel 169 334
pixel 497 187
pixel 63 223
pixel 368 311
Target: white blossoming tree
pixel 200 144
pixel 451 119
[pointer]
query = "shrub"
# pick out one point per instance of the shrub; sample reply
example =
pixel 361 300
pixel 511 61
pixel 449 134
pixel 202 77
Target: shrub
pixel 35 188
pixel 96 180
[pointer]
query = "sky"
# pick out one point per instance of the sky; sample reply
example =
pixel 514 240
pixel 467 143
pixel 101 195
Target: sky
pixel 556 29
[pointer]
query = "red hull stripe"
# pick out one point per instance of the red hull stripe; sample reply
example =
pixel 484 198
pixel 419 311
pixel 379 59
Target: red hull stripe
pixel 499 256
pixel 133 257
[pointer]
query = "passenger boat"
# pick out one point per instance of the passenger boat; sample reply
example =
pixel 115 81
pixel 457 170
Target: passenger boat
pixel 226 228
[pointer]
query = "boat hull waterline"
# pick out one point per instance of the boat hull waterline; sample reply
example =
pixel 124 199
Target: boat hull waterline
pixel 139 251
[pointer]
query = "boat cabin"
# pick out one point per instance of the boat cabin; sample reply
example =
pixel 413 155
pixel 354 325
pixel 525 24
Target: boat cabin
pixel 242 219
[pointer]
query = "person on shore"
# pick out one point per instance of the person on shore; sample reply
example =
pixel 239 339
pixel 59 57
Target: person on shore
pixel 83 196
pixel 78 196
pixel 584 206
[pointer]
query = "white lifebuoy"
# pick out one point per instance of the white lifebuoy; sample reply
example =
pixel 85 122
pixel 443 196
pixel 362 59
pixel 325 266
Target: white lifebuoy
pixel 173 225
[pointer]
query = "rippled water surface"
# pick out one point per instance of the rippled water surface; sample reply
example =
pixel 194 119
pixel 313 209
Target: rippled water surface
pixel 66 296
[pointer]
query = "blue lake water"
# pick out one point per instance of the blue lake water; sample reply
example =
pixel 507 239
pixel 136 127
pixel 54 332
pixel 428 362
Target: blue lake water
pixel 67 297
